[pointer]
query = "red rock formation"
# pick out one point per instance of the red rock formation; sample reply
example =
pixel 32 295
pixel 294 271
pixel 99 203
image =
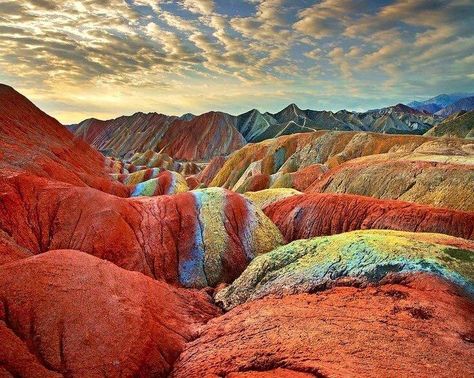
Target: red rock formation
pixel 199 138
pixel 166 237
pixel 10 250
pixel 310 215
pixel 192 182
pixel 417 327
pixel 208 173
pixel 66 313
pixel 290 153
pixel 208 135
pixel 33 142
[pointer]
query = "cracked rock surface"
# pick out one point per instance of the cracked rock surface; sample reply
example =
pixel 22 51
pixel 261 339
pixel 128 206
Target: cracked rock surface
pixel 419 326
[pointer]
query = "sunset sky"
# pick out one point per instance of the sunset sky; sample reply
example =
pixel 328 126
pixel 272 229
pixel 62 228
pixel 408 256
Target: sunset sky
pixel 105 58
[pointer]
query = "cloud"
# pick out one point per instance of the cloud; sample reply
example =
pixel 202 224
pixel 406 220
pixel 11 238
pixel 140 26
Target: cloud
pixel 199 55
pixel 205 7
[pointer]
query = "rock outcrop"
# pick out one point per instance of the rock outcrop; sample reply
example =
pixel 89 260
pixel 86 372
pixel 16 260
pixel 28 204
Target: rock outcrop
pixel 195 239
pixel 34 143
pixel 197 138
pixel 66 313
pixel 263 198
pixel 311 215
pixel 165 183
pixel 460 125
pixel 360 256
pixel 418 326
pixel 292 153
pixel 430 183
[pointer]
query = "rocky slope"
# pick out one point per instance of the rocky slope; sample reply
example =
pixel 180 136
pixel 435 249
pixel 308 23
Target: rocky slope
pixel 464 104
pixel 418 326
pixel 431 183
pixel 309 215
pixel 439 102
pixel 216 133
pixel 66 313
pixel 33 142
pixel 198 138
pixel 378 165
pixel 306 266
pixel 100 258
pixel 460 125
pixel 196 239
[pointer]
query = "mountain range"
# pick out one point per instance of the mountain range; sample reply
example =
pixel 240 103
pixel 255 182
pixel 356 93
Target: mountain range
pixel 202 137
pixel 444 104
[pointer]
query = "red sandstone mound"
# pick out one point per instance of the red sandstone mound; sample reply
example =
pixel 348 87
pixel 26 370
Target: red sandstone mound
pixel 33 142
pixel 418 327
pixel 310 215
pixel 69 313
pixel 208 173
pixel 205 136
pixel 196 239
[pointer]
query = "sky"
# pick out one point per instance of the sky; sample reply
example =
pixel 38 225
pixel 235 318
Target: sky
pixel 105 58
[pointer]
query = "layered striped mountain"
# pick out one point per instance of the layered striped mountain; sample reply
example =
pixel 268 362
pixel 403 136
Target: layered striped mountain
pixel 459 125
pixel 189 138
pixel 399 167
pixel 215 133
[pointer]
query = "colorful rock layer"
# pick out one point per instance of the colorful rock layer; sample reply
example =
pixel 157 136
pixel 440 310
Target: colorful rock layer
pixel 429 183
pixel 263 198
pixel 292 153
pixel 198 138
pixel 138 176
pixel 66 313
pixel 311 215
pixel 314 264
pixel 195 239
pixel 417 327
pixel 166 182
pixel 33 143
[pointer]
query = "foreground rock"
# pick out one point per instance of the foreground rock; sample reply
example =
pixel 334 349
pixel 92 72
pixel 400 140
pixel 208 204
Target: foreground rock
pixel 311 215
pixel 66 313
pixel 417 327
pixel 360 256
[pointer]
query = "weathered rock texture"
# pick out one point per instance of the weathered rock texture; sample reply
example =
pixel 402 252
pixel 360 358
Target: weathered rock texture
pixel 196 239
pixel 194 137
pixel 202 137
pixel 417 327
pixel 311 215
pixel 363 256
pixel 294 153
pixel 33 142
pixel 266 197
pixel 430 183
pixel 211 169
pixel 166 182
pixel 66 313
pixel 459 125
